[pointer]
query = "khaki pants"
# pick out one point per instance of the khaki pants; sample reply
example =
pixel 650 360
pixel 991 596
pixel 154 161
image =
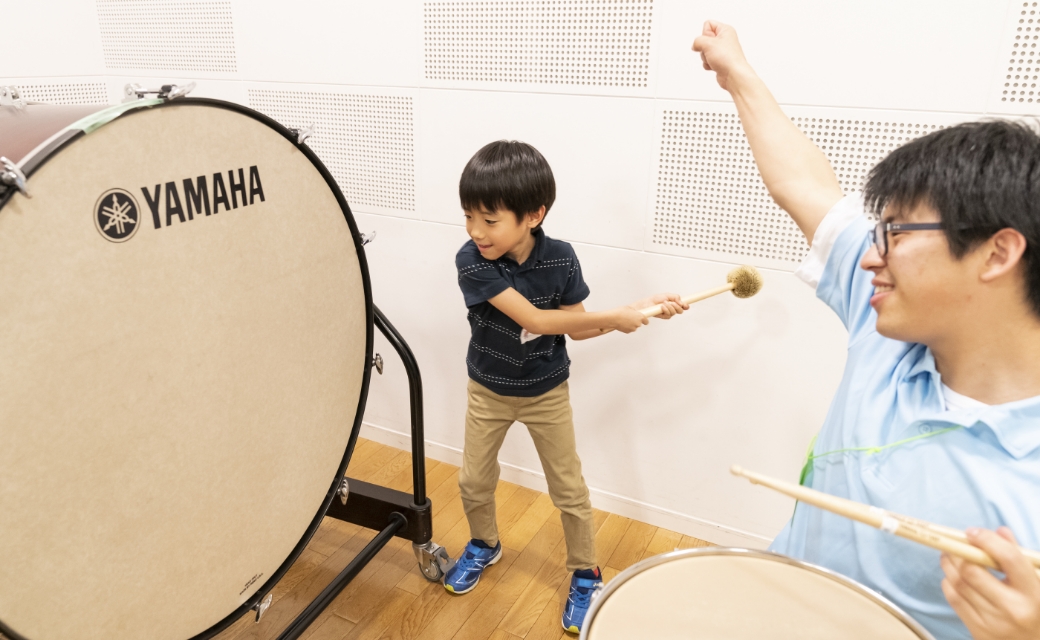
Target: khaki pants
pixel 548 420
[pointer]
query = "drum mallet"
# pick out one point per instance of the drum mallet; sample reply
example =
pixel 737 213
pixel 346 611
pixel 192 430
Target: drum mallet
pixel 744 281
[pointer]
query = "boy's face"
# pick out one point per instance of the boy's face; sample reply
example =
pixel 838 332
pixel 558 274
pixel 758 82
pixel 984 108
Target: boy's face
pixel 922 293
pixel 498 233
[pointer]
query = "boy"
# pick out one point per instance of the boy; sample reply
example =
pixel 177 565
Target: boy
pixel 524 291
pixel 942 382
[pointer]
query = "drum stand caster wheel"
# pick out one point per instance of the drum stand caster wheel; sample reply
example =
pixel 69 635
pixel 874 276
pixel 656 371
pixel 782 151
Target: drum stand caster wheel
pixel 434 560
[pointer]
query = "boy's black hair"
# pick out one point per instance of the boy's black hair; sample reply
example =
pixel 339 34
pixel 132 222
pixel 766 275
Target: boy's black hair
pixel 507 174
pixel 980 177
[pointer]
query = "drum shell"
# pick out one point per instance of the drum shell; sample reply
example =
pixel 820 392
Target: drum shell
pixel 66 141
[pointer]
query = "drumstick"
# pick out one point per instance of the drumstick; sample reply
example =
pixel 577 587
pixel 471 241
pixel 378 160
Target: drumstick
pixel 956 534
pixel 902 526
pixel 744 281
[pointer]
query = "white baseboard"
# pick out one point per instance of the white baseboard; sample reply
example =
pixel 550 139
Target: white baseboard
pixel 603 500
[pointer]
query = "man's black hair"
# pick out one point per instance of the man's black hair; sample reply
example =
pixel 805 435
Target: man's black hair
pixel 980 177
pixel 507 174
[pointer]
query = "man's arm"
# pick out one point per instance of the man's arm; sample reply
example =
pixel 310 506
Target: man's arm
pixel 797 174
pixel 994 609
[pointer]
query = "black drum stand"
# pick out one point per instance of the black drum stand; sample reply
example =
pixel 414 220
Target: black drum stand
pixel 390 512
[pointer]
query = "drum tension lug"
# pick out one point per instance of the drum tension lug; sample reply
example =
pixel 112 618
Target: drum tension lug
pixel 344 491
pixel 11 97
pixel 12 176
pixel 367 238
pixel 302 134
pixel 262 606
pixel 167 92
pixel 377 362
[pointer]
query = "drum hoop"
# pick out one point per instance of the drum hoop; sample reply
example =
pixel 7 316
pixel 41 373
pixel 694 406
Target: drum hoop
pixel 653 561
pixel 41 155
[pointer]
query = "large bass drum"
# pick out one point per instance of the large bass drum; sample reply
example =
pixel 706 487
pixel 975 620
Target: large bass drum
pixel 184 360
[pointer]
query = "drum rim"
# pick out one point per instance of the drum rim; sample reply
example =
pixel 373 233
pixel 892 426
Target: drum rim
pixel 601 596
pixel 59 142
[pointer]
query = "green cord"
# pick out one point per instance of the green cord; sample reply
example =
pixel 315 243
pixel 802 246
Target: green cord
pixel 810 456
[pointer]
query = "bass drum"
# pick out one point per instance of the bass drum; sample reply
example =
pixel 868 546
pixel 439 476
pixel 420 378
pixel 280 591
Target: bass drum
pixel 184 362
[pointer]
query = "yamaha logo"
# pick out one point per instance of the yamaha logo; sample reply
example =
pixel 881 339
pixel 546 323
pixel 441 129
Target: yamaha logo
pixel 116 215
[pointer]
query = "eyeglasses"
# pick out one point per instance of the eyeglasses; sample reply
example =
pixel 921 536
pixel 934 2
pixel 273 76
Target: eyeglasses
pixel 879 234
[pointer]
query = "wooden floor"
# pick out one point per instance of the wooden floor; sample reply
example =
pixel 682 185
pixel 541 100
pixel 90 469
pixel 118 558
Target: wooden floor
pixel 520 597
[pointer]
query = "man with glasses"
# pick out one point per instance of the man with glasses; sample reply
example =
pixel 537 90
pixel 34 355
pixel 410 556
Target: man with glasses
pixel 938 412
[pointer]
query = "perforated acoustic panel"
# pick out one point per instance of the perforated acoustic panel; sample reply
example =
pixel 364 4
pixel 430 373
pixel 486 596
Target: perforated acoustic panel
pixel 65 93
pixel 366 141
pixel 1023 66
pixel 167 35
pixel 711 198
pixel 602 43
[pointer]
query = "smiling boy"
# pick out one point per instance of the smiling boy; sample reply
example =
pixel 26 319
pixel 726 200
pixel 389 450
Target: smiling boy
pixel 938 412
pixel 524 292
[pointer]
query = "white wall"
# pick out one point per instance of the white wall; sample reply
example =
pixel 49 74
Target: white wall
pixel 656 188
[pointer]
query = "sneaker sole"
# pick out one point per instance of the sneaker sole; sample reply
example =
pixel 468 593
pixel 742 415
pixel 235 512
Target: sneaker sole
pixel 451 589
pixel 570 629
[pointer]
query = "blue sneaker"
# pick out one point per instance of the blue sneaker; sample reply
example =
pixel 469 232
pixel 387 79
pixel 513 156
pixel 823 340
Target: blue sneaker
pixel 583 584
pixel 466 573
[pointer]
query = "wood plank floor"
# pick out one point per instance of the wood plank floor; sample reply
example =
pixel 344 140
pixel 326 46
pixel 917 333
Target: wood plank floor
pixel 520 597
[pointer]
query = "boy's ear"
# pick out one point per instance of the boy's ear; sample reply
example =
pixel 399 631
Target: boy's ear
pixel 534 218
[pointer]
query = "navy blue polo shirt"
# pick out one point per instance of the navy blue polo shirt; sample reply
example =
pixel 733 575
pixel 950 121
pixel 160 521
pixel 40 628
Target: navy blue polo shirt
pixel 497 359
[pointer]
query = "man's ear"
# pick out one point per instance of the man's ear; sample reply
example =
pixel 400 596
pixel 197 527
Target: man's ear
pixel 1004 249
pixel 534 218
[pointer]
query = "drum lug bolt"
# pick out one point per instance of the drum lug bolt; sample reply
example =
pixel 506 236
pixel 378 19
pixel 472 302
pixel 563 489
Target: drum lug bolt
pixel 344 491
pixel 167 92
pixel 377 362
pixel 367 238
pixel 11 97
pixel 12 176
pixel 302 134
pixel 262 606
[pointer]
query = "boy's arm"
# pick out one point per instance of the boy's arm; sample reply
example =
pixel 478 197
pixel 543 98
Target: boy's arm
pixel 580 335
pixel 674 306
pixel 558 321
pixel 799 177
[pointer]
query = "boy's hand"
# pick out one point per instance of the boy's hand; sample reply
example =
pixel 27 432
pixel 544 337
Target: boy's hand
pixel 994 609
pixel 671 304
pixel 627 319
pixel 720 52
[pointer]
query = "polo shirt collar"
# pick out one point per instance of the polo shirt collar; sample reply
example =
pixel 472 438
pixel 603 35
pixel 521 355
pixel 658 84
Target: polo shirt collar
pixel 1015 424
pixel 537 253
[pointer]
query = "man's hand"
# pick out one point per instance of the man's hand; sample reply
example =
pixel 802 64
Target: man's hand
pixel 671 304
pixel 991 608
pixel 720 52
pixel 627 319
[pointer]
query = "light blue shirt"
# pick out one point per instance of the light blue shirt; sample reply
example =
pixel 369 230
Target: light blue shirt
pixel 984 475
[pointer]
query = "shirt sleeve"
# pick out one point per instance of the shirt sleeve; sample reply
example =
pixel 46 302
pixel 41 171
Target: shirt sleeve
pixel 832 266
pixel 575 290
pixel 479 280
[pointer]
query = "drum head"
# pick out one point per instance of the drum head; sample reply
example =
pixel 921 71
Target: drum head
pixel 179 372
pixel 739 594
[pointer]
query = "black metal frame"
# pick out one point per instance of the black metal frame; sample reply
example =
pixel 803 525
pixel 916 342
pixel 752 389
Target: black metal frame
pixel 392 513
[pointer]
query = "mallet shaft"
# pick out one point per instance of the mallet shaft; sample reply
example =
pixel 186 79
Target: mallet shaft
pixel 656 310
